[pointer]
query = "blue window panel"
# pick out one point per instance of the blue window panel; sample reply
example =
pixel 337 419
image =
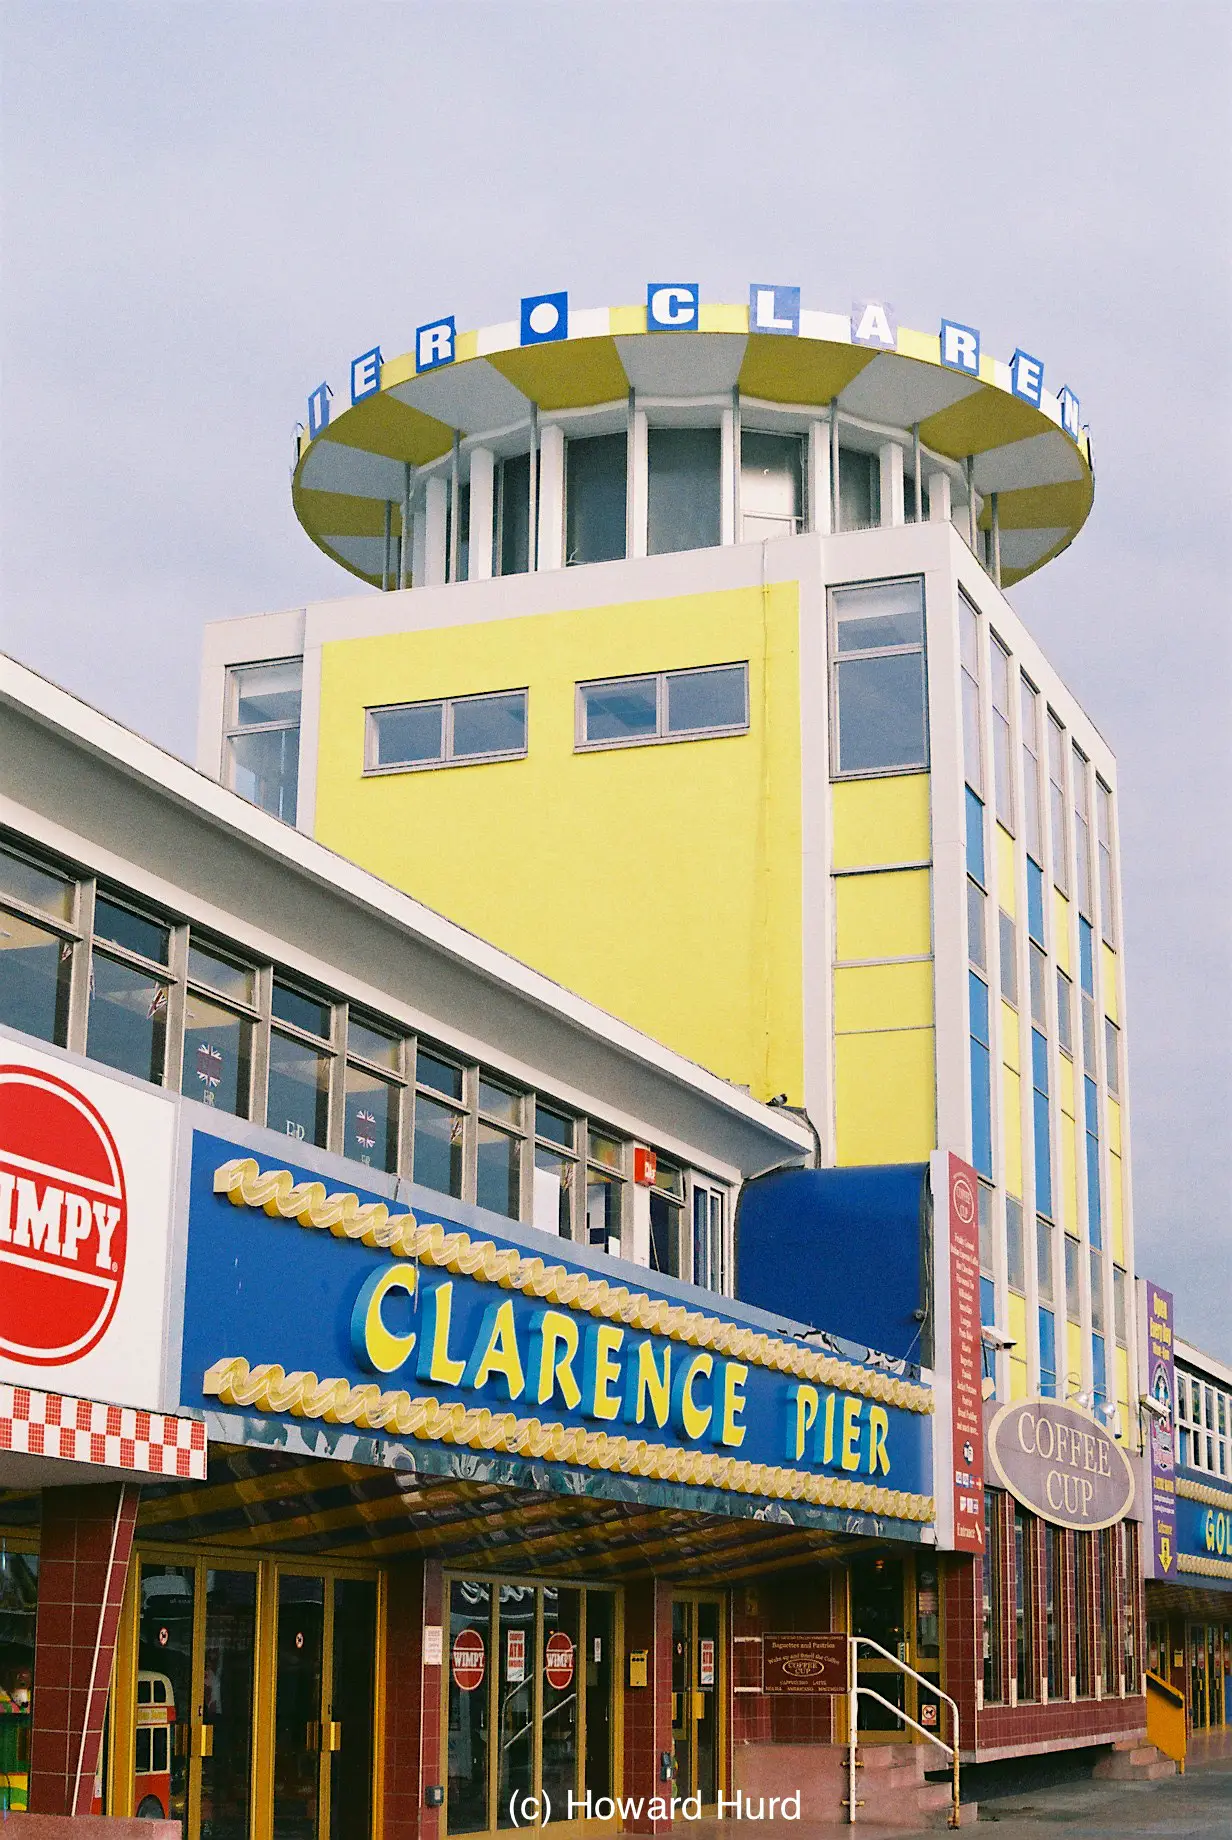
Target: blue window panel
pixel 1086 954
pixel 1099 1371
pixel 981 1109
pixel 1048 1354
pixel 975 838
pixel 1043 1157
pixel 988 1302
pixel 1039 1062
pixel 1092 1104
pixel 1094 1216
pixel 1035 902
pixel 978 990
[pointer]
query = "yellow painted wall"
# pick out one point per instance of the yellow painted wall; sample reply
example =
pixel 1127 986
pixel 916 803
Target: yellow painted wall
pixel 1011 1125
pixel 1060 929
pixel 886 915
pixel 1113 1114
pixel 663 882
pixel 885 1096
pixel 870 997
pixel 1018 1357
pixel 880 822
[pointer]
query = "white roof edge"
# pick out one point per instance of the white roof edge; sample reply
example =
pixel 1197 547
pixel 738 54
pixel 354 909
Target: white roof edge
pixel 168 775
pixel 1185 1351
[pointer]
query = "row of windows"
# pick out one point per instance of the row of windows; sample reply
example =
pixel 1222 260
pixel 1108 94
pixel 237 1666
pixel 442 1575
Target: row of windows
pixel 614 712
pixel 1203 1424
pixel 86 968
pixel 1042 1638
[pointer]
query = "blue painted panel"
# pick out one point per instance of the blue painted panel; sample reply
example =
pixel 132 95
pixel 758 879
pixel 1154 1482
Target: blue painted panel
pixel 975 837
pixel 1039 1062
pixel 1091 1099
pixel 981 1109
pixel 1086 955
pixel 988 1301
pixel 1048 1354
pixel 1099 1371
pixel 978 995
pixel 1204 1529
pixel 1043 1156
pixel 1095 1219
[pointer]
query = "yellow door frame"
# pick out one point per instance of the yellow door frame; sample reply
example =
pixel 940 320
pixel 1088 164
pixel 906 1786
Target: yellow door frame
pixel 720 1600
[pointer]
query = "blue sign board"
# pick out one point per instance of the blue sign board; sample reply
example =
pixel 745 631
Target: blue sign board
pixel 1204 1531
pixel 673 306
pixel 302 1304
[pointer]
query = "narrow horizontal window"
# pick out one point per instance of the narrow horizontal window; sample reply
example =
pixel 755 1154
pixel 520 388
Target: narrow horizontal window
pixel 446 731
pixel 668 706
pixel 36 887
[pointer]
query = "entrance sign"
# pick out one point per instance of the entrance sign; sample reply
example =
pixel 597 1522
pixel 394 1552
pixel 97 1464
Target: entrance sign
pixel 1161 1380
pixel 800 1661
pixel 515 1656
pixel 1061 1464
pixel 558 1661
pixel 468 1659
pixel 966 1358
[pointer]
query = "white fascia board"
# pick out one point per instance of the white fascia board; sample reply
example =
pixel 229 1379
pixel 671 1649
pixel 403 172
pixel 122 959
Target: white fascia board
pixel 181 784
pixel 1205 1363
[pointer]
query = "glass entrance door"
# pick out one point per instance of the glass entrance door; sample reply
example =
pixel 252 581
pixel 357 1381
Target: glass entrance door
pixel 897 1602
pixel 697 1654
pixel 1209 1663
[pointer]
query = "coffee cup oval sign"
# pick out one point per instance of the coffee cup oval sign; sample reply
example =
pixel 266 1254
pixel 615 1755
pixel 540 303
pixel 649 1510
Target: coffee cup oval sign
pixel 1061 1463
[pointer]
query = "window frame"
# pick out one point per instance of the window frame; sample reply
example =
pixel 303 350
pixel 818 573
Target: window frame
pixel 662 735
pixel 867 654
pixel 234 730
pixel 373 769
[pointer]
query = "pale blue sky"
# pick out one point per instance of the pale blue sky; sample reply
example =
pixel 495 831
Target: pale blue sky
pixel 208 207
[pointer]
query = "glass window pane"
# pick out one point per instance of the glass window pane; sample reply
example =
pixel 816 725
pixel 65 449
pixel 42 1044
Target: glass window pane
pixel 707 699
pixel 438 1147
pixel 132 931
pixel 127 1028
pixel 515 1686
pixel 607 1150
pixel 489 725
pixel 859 477
pixel 441 1076
pixel 889 613
pixel 554 1126
pixel 512 544
pixel 402 737
pixel 372 1044
pixel 1112 1056
pixel 217 1056
pixel 1065 1024
pixel 498 1173
pixel 1073 1299
pixel 665 1236
pixel 771 484
pixel 298 1100
pixel 595 479
pixel 1043 1259
pixel 370 1130
pixel 619 711
pixel 603 1195
pixel 25 881
pixel 267 693
pixel 500 1102
pixel 553 1212
pixel 1009 956
pixel 35 968
pixel 668 1177
pixel 1039 979
pixel 302 1011
pixel 881 721
pixel 562 1635
pixel 1015 1263
pixel 265 770
pixel 975 924
pixel 683 490
pixel 469 1736
pixel 205 966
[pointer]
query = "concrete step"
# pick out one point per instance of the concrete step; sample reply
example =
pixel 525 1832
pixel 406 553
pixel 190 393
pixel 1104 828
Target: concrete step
pixel 1132 1761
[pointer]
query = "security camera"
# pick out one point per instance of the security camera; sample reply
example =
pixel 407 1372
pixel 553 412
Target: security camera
pixel 997 1338
pixel 1155 1408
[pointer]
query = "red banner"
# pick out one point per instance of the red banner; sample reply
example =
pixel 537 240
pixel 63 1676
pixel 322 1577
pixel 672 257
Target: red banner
pixel 966 1358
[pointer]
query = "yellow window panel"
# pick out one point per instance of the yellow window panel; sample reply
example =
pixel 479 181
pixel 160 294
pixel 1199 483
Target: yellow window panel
pixel 1017 1327
pixel 1066 1085
pixel 881 821
pixel 1073 1360
pixel 1010 1046
pixel 885 1096
pixel 1116 1207
pixel 883 997
pixel 1060 929
pixel 1114 1127
pixel 883 916
pixel 1110 984
pixel 1006 883
pixel 1069 1170
pixel 1011 1129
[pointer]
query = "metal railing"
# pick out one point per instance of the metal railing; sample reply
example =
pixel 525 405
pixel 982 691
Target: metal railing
pixel 854 1692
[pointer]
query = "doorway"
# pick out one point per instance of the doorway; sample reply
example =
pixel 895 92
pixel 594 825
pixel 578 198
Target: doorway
pixel 1210 1662
pixel 697 1697
pixel 896 1601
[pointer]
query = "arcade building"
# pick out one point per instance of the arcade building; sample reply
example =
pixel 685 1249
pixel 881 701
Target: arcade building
pixel 585 1149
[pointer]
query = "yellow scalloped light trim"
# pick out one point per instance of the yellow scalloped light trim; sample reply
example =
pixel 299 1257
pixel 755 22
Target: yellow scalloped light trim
pixel 1205 1568
pixel 1199 1491
pixel 302 1395
pixel 276 1192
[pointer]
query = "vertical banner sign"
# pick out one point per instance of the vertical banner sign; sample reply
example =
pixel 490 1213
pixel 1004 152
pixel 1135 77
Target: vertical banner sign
pixel 1161 1378
pixel 966 1358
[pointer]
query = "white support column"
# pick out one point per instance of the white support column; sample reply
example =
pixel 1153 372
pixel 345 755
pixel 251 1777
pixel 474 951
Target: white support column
pixel 938 498
pixel 552 496
pixel 408 527
pixel 638 479
pixel 419 540
pixel 483 503
pixel 728 484
pixel 820 508
pixel 893 506
pixel 436 504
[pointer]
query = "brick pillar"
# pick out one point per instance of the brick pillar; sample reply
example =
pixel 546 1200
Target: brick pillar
pixel 85 1544
pixel 962 1580
pixel 648 1709
pixel 412 1757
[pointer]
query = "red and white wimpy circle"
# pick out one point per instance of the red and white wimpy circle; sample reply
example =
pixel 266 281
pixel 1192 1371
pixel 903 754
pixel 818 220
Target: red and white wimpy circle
pixel 468 1660
pixel 558 1661
pixel 962 1197
pixel 63 1219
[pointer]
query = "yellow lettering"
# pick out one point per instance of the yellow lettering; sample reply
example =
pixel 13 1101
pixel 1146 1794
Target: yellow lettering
pixel 558 1344
pixel 734 1377
pixel 385 1350
pixel 802 1413
pixel 828 1448
pixel 694 1418
pixel 500 1353
pixel 878 1431
pixel 647 1383
pixel 603 1370
pixel 435 1361
pixel 852 1408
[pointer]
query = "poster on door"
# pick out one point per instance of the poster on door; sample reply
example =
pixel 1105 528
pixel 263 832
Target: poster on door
pixel 705 1662
pixel 558 1663
pixel 467 1660
pixel 515 1656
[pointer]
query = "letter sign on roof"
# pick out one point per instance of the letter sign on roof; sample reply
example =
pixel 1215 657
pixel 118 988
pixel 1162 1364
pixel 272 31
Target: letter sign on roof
pixel 366 374
pixel 544 317
pixel 1027 377
pixel 873 322
pixel 774 309
pixel 434 344
pixel 1070 420
pixel 672 306
pixel 960 347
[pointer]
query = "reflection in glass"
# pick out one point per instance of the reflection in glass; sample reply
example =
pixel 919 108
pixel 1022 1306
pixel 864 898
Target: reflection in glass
pixel 621 711
pixel 297 1707
pixel 25 881
pixel 353 1708
pixel 881 713
pixel 371 1124
pixel 600 1644
pixel 515 1687
pixel 500 1102
pixel 603 1210
pixel 702 700
pixel 372 1044
pixel 35 970
pixel 298 1090
pixel 489 725
pixel 438 1146
pixel 217 1056
pixel 664 1235
pixel 511 534
pixel 147 938
pixel 554 1126
pixel 562 1632
pixel 440 1075
pixel 265 770
pixel 18 1605
pixel 595 481
pixel 206 966
pixel 404 737
pixel 470 1642
pixel 553 1211
pixel 301 1011
pixel 683 489
pixel 268 693
pixel 127 1026
pixel 230 1638
pixel 164 1691
pixel 498 1177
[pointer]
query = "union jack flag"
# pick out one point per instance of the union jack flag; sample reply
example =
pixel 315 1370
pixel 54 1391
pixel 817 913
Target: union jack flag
pixel 365 1130
pixel 209 1070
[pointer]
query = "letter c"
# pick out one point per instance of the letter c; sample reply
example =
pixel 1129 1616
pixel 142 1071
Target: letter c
pixel 375 1346
pixel 671 306
pixel 1025 1419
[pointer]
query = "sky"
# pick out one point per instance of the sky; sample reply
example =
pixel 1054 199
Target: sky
pixel 206 208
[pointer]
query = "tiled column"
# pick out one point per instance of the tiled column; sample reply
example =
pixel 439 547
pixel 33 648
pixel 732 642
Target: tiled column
pixel 648 1709
pixel 84 1549
pixel 963 1584
pixel 412 1757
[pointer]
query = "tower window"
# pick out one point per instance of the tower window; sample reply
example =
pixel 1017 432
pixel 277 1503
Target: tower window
pixel 880 723
pixel 683 489
pixel 595 484
pixel 261 751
